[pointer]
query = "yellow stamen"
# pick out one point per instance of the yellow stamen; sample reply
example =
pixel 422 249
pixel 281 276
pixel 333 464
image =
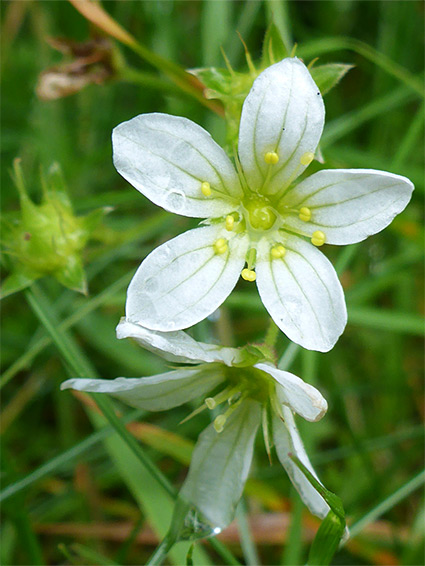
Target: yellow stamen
pixel 220 246
pixel 210 403
pixel 219 423
pixel 271 158
pixel 278 251
pixel 306 158
pixel 206 189
pixel 230 222
pixel 318 238
pixel 248 274
pixel 305 214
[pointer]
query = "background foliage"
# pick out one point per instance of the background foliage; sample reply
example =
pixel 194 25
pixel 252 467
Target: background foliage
pixel 83 500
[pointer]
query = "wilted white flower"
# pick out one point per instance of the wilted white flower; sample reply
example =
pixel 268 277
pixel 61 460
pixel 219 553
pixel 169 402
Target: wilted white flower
pixel 257 214
pixel 252 392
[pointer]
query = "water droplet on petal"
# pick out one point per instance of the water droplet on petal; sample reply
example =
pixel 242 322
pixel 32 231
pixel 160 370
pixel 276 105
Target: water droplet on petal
pixel 175 200
pixel 195 525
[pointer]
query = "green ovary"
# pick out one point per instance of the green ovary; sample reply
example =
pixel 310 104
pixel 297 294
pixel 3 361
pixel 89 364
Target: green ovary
pixel 260 214
pixel 251 382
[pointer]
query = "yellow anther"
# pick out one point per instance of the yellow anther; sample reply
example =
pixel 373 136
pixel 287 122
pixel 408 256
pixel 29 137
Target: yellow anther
pixel 318 238
pixel 248 274
pixel 210 403
pixel 219 423
pixel 230 222
pixel 278 251
pixel 206 189
pixel 271 158
pixel 306 158
pixel 305 214
pixel 220 246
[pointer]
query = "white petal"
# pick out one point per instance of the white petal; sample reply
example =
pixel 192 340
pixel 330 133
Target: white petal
pixel 177 346
pixel 302 293
pixel 156 393
pixel 283 113
pixel 220 465
pixel 184 280
pixel 167 158
pixel 292 391
pixel 288 441
pixel 348 205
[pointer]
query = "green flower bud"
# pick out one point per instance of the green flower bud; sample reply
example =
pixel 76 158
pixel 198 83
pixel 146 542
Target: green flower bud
pixel 46 238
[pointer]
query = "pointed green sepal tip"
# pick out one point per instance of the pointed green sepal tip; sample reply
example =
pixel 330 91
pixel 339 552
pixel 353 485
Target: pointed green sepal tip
pixel 328 76
pixel 15 282
pixel 73 275
pixel 251 354
pixel 332 528
pixel 331 499
pixel 46 238
pixel 274 49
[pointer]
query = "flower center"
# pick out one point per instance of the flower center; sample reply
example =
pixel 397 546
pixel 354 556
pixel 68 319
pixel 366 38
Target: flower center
pixel 261 215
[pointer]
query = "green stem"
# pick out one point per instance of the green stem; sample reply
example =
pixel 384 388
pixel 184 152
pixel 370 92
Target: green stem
pixel 161 552
pixel 148 80
pixel 224 552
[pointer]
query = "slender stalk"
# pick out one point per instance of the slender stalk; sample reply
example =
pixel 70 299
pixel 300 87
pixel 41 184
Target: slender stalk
pixel 161 552
pixel 247 542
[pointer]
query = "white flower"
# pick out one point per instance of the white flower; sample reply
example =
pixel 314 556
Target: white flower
pixel 257 214
pixel 252 393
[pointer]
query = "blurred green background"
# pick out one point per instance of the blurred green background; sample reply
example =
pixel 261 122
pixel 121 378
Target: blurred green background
pixel 93 504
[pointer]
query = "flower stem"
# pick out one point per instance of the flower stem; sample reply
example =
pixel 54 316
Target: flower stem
pixel 161 552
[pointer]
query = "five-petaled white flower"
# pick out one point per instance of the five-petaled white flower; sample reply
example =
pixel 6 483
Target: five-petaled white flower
pixel 257 214
pixel 253 393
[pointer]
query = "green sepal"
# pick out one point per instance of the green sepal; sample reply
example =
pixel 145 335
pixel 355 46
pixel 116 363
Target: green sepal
pixel 327 76
pixel 91 221
pixel 327 540
pixel 54 186
pixel 274 49
pixel 72 275
pixel 231 88
pixel 250 355
pixel 332 529
pixel 17 281
pixel 331 499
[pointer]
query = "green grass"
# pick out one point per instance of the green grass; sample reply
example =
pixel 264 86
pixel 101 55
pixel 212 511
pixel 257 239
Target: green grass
pixel 62 463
